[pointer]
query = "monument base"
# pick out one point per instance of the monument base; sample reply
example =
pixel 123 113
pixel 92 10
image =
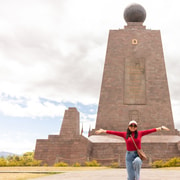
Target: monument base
pixel 57 149
pixel 107 149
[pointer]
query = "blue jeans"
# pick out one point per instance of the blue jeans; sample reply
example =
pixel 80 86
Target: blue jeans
pixel 133 165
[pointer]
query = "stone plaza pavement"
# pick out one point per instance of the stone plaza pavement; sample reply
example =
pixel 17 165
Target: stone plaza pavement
pixel 115 174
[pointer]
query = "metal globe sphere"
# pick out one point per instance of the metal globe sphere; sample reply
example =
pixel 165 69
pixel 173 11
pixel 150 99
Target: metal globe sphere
pixel 135 13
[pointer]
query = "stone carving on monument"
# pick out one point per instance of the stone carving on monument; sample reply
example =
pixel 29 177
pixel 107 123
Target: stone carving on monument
pixel 134 86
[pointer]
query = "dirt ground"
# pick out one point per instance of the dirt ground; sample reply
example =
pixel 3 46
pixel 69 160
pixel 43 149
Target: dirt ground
pixel 24 173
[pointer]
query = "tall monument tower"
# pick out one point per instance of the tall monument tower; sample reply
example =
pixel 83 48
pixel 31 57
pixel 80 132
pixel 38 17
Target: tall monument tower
pixel 134 84
pixel 134 87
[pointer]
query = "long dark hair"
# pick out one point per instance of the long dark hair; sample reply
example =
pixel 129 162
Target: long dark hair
pixel 129 133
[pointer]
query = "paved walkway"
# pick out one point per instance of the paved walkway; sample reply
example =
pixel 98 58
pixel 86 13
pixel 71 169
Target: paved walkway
pixel 115 174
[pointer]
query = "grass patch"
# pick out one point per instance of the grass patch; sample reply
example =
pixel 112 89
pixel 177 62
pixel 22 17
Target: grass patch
pixel 24 175
pixel 19 176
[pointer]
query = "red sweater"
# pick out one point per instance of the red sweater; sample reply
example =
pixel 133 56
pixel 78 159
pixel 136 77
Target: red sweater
pixel 129 143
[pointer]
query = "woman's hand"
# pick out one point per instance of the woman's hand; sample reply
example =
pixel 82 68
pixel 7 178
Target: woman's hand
pixel 162 128
pixel 100 131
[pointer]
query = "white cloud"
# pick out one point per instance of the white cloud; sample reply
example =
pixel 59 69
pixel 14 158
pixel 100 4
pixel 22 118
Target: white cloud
pixel 20 107
pixel 13 142
pixel 58 51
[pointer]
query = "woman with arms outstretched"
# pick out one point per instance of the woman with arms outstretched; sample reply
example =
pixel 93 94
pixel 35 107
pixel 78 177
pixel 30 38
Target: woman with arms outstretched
pixel 133 161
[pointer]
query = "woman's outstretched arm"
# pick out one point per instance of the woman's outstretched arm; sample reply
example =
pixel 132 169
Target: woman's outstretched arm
pixel 100 131
pixel 117 133
pixel 162 128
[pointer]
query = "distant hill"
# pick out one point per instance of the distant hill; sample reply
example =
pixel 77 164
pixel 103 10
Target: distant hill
pixel 5 154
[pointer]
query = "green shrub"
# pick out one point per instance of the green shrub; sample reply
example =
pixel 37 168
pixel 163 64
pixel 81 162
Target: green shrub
pixel 174 162
pixel 33 163
pixel 45 164
pixel 93 163
pixel 27 159
pixel 77 164
pixel 60 164
pixel 3 162
pixel 114 165
pixel 158 164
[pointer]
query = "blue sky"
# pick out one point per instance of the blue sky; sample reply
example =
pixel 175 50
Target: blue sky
pixel 52 55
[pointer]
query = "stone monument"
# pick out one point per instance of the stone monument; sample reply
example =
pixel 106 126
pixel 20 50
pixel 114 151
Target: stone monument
pixel 69 146
pixel 134 86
